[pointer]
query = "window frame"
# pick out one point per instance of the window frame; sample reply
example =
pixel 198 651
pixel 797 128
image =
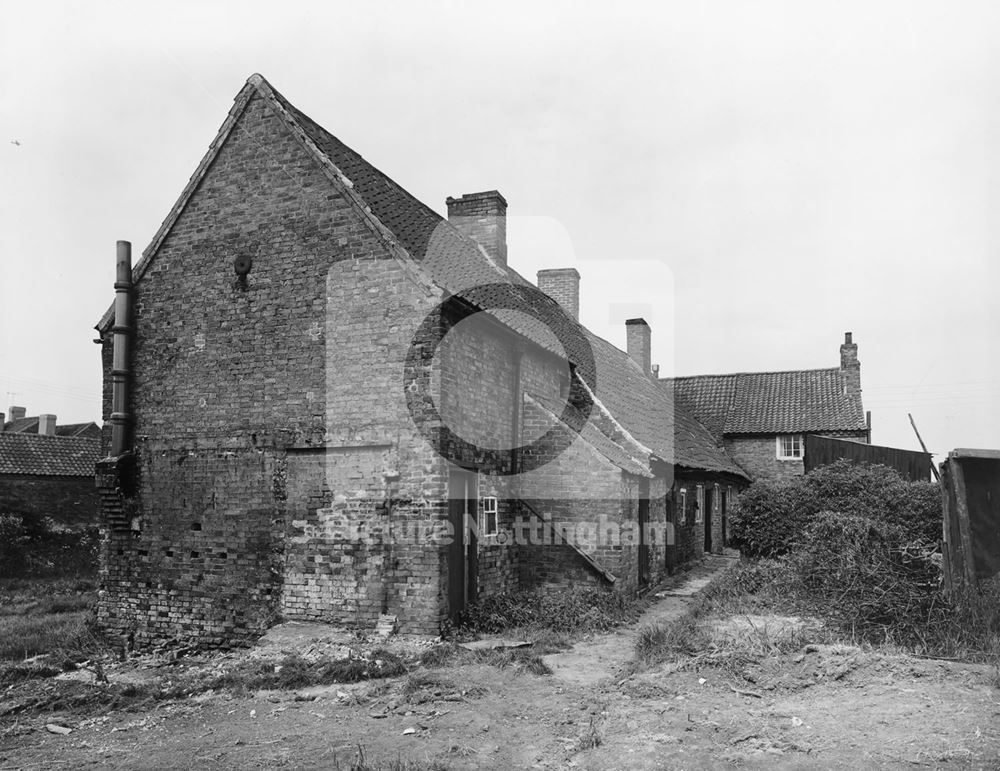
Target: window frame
pixel 699 504
pixel 490 506
pixel 797 441
pixel 682 494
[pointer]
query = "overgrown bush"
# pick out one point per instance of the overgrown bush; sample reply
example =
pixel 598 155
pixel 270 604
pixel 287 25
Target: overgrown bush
pixel 38 547
pixel 13 538
pixel 868 575
pixel 769 518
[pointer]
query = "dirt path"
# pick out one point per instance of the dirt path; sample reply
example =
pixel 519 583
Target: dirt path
pixel 603 657
pixel 820 708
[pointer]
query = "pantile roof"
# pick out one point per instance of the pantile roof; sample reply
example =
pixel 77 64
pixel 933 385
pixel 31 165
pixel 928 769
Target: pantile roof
pixel 37 455
pixel 795 401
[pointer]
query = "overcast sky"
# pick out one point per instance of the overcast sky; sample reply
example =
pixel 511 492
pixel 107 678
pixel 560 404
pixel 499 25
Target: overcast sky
pixel 754 179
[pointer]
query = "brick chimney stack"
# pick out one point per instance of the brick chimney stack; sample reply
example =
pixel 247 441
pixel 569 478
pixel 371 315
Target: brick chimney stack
pixel 563 286
pixel 16 413
pixel 638 340
pixel 482 217
pixel 47 425
pixel 850 367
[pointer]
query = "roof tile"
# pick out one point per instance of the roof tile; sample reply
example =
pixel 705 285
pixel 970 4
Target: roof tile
pixel 37 455
pixel 793 401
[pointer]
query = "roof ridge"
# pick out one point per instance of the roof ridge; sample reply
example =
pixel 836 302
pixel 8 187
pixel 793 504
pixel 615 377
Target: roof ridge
pixel 742 374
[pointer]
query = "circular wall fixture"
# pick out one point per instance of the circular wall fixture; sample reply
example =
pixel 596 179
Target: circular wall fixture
pixel 242 264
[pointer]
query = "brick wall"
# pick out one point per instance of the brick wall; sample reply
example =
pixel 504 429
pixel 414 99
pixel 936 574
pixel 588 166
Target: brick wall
pixel 70 501
pixel 758 455
pixel 231 383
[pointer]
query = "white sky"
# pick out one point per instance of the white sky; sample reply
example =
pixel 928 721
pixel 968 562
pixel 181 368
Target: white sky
pixel 753 178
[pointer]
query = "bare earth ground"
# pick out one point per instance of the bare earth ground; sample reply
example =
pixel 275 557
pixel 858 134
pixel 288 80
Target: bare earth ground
pixel 819 707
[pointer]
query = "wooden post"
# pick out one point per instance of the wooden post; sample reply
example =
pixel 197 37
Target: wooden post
pixel 950 560
pixel 964 529
pixel 934 470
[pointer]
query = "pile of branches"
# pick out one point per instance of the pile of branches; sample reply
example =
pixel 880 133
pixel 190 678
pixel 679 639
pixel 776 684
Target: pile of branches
pixel 869 575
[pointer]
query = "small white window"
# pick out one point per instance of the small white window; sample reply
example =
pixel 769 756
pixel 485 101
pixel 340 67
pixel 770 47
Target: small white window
pixel 716 499
pixel 790 447
pixel 682 506
pixel 699 504
pixel 491 519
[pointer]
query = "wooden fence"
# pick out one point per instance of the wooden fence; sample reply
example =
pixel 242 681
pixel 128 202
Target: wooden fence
pixel 822 450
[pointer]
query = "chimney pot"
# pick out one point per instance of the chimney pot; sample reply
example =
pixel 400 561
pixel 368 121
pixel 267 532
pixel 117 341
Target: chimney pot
pixel 483 218
pixel 638 338
pixel 847 338
pixel 563 286
pixel 47 425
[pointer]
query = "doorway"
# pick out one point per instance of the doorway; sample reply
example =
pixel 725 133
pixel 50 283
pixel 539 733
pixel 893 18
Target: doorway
pixel 463 564
pixel 643 521
pixel 709 504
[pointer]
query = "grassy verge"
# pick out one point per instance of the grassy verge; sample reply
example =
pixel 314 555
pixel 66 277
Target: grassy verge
pixel 44 616
pixel 767 605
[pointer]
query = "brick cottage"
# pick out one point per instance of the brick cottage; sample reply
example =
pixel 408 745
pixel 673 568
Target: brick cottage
pixel 324 401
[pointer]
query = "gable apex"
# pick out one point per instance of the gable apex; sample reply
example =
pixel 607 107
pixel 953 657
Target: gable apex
pixel 257 85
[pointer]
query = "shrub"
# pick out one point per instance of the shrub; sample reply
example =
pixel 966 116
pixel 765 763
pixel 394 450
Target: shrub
pixel 13 537
pixel 868 575
pixel 880 493
pixel 38 547
pixel 769 518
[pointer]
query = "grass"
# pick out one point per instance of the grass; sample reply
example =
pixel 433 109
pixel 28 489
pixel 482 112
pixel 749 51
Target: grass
pixel 44 616
pixel 293 672
pixel 361 763
pixel 573 612
pixel 288 673
pixel 966 628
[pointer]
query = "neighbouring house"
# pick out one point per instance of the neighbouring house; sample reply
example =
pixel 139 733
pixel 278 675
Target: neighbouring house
pixel 762 418
pixel 20 423
pixel 324 401
pixel 44 474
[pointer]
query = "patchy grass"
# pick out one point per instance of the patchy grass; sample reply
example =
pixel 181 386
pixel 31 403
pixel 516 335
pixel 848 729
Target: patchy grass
pixel 767 605
pixel 589 739
pixel 572 612
pixel 294 672
pixel 45 616
pixel 289 673
pixel 361 763
pixel 524 659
